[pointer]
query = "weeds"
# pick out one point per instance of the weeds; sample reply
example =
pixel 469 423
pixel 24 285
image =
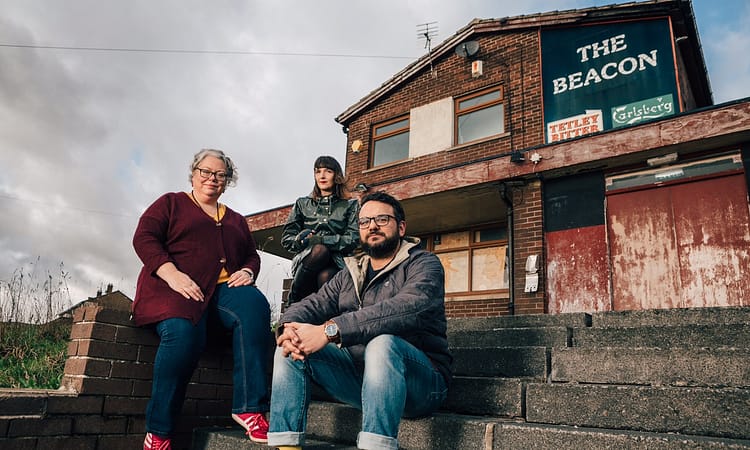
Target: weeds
pixel 33 356
pixel 33 346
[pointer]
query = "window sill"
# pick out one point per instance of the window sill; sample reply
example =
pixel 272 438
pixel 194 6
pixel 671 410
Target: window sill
pixel 494 137
pixel 390 164
pixel 484 295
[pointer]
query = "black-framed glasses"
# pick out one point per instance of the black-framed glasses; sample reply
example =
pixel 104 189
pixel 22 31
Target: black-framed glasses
pixel 381 220
pixel 206 174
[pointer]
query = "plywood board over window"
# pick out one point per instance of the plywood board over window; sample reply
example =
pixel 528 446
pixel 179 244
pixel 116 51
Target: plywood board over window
pixel 474 260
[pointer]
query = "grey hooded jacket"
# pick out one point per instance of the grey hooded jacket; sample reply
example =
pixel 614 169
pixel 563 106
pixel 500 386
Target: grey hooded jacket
pixel 405 299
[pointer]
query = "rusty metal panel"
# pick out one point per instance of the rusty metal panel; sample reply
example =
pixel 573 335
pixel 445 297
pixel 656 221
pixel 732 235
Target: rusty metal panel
pixel 577 270
pixel 682 245
pixel 713 240
pixel 645 269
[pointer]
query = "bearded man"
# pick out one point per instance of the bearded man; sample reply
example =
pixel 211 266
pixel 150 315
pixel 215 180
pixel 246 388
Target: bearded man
pixel 373 337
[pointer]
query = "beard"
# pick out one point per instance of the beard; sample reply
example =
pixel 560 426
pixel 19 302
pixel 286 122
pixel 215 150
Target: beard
pixel 383 249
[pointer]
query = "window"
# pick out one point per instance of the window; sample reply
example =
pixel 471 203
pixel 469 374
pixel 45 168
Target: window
pixel 390 141
pixel 474 260
pixel 480 115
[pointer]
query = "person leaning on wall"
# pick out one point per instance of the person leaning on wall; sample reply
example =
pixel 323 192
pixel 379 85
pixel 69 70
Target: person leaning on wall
pixel 320 230
pixel 200 264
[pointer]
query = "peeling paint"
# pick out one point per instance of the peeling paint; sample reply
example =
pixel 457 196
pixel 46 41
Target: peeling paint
pixel 577 270
pixel 684 245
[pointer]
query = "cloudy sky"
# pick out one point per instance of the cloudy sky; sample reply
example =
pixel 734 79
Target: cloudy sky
pixel 103 104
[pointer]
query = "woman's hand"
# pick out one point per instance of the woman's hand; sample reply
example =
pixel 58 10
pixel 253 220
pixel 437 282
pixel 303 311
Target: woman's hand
pixel 303 237
pixel 243 277
pixel 180 282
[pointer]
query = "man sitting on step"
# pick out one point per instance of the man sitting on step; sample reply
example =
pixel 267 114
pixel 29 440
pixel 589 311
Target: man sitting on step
pixel 373 337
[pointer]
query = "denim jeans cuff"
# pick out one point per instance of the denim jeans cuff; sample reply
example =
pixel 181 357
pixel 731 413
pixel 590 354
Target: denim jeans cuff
pixel 290 438
pixel 376 441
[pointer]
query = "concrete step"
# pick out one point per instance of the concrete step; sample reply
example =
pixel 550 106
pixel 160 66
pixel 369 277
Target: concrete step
pixel 672 317
pixel 486 396
pixel 451 432
pixel 687 410
pixel 521 436
pixel 650 366
pixel 226 439
pixel 501 361
pixel 456 324
pixel 733 335
pixel 512 337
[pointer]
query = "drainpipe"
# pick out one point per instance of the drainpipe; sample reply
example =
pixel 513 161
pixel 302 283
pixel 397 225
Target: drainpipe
pixel 505 189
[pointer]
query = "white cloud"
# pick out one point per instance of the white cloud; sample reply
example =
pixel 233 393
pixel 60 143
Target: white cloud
pixel 90 138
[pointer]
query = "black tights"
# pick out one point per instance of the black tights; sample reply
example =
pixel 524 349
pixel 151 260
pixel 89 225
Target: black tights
pixel 313 272
pixel 319 261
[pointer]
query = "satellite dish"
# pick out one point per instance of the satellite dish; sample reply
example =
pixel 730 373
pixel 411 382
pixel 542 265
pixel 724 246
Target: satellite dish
pixel 467 49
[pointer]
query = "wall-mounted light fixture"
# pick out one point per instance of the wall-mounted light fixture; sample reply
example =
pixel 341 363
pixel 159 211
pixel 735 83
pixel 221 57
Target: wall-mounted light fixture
pixel 356 146
pixel 517 157
pixel 361 187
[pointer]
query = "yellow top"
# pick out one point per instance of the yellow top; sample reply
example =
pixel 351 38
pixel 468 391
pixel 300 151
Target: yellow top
pixel 224 275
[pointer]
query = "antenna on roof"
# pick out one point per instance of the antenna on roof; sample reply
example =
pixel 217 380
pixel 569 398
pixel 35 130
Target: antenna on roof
pixel 427 31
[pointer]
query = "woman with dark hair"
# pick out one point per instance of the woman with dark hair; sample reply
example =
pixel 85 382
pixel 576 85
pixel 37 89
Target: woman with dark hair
pixel 321 230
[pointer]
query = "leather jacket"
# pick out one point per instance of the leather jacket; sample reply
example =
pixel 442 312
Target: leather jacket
pixel 332 218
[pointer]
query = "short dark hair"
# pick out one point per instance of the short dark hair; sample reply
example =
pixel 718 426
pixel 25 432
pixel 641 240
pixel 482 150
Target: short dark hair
pixel 382 197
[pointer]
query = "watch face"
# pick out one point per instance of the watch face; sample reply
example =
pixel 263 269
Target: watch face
pixel 331 329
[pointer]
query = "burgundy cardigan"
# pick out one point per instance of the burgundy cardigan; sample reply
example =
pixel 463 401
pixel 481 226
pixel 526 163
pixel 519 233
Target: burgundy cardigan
pixel 175 229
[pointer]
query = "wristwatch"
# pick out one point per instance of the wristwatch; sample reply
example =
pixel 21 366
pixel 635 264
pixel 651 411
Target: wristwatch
pixel 332 331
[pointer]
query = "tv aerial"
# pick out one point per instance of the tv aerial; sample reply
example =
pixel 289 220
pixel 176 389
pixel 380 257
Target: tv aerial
pixel 427 31
pixel 467 49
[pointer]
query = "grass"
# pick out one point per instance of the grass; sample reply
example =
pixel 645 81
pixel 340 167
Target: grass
pixel 33 356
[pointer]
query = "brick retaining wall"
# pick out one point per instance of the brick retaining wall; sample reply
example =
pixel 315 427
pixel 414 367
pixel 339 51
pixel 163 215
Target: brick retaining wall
pixel 106 386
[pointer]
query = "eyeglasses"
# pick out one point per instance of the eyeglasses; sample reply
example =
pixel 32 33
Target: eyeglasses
pixel 381 220
pixel 206 174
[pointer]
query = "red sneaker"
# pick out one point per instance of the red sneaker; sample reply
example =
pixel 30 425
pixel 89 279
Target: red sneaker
pixel 154 442
pixel 255 424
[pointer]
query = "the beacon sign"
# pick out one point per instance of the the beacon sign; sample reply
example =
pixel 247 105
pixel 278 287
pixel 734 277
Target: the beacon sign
pixel 601 77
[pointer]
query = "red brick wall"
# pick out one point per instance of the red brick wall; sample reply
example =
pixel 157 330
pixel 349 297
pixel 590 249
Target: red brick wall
pixel 476 308
pixel 528 236
pixel 510 60
pixel 106 386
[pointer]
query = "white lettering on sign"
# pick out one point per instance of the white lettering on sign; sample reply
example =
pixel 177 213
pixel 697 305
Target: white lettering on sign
pixel 626 66
pixel 647 109
pixel 612 45
pixel 575 126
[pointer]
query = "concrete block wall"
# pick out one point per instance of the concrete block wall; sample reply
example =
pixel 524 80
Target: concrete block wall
pixel 105 388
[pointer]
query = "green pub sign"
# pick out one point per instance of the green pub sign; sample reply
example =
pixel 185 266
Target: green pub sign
pixel 600 77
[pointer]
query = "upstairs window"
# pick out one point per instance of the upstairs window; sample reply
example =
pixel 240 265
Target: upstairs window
pixel 480 115
pixel 390 141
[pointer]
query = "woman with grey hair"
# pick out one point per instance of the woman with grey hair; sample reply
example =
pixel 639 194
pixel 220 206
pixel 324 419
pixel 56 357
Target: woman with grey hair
pixel 200 264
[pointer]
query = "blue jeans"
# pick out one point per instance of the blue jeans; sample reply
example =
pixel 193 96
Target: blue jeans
pixel 398 380
pixel 242 309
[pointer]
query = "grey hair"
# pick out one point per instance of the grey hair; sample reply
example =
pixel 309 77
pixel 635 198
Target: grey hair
pixel 231 168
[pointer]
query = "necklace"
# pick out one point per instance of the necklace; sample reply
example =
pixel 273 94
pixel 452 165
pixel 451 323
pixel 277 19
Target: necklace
pixel 192 194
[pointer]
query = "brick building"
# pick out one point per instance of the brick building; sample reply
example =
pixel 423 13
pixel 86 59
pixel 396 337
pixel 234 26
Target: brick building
pixel 570 161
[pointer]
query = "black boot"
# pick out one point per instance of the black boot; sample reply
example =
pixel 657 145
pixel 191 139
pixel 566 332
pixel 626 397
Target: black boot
pixel 300 285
